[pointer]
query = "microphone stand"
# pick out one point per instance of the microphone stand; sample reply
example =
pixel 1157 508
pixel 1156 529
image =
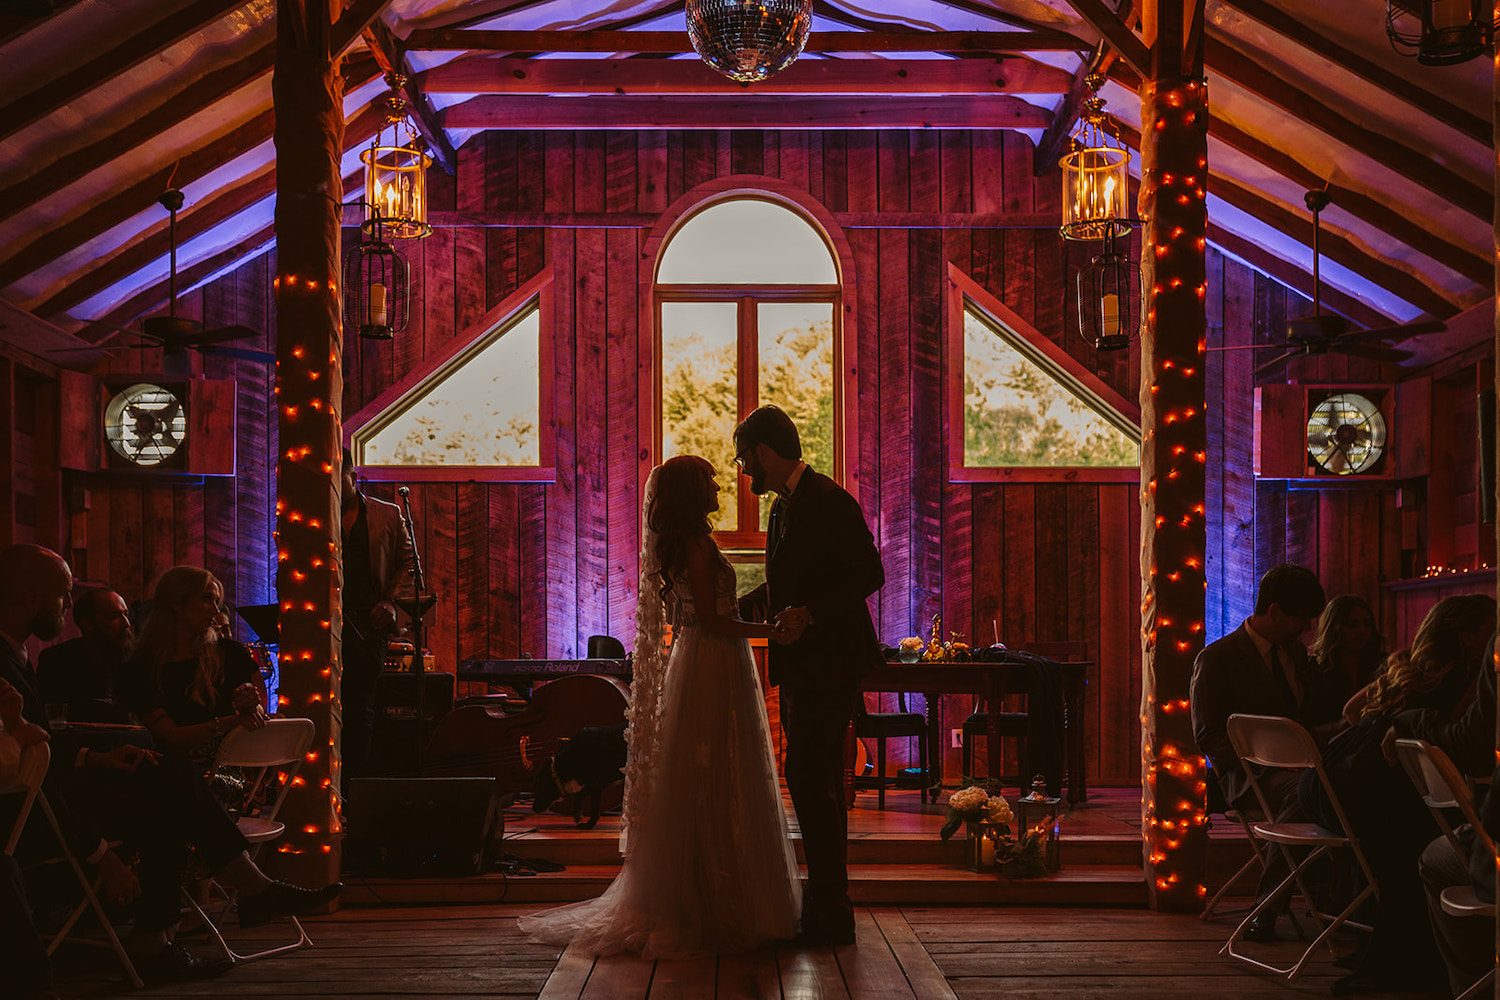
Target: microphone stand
pixel 420 604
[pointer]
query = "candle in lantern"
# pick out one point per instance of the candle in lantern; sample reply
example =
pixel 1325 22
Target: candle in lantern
pixel 377 305
pixel 1109 315
pixel 1450 13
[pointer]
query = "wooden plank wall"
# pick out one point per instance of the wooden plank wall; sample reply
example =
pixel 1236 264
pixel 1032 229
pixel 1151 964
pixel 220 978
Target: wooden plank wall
pixel 537 568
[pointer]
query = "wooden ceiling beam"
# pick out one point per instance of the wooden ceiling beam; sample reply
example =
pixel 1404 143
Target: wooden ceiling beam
pixel 1395 223
pixel 50 177
pixel 57 94
pixel 676 42
pixel 198 220
pixel 1293 277
pixel 1057 139
pixel 1332 245
pixel 1297 31
pixel 1415 166
pixel 631 112
pixel 15 25
pixel 355 21
pixel 18 261
pixel 483 75
pixel 1116 32
pixel 392 59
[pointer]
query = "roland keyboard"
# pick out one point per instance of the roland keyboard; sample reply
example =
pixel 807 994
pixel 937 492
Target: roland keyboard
pixel 510 671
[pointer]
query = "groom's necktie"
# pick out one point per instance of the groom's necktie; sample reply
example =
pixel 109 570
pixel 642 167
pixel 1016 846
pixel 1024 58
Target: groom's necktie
pixel 775 526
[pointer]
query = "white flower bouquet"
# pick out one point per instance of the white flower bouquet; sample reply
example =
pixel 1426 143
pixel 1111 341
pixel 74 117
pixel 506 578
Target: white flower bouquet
pixel 988 814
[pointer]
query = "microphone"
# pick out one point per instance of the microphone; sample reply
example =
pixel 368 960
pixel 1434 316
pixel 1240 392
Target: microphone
pixel 404 491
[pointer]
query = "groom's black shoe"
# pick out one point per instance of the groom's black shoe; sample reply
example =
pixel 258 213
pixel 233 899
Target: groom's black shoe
pixel 817 937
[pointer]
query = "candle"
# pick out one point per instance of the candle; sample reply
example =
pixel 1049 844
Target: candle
pixel 377 305
pixel 1450 13
pixel 1110 315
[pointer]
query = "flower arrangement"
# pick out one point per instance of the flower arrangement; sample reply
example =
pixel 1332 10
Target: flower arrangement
pixel 988 814
pixel 934 650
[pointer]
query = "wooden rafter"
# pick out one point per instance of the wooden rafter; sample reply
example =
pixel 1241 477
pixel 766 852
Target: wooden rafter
pixel 47 178
pixel 674 42
pixel 1293 277
pixel 1416 166
pixel 200 219
pixel 531 112
pixel 813 77
pixel 352 24
pixel 141 196
pixel 1055 140
pixel 15 25
pixel 58 94
pixel 1116 32
pixel 1396 223
pixel 1443 110
pixel 392 59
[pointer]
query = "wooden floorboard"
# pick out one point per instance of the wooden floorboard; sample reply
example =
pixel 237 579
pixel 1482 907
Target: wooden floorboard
pixel 903 953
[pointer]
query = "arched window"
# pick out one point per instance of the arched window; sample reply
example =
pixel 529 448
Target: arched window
pixel 748 306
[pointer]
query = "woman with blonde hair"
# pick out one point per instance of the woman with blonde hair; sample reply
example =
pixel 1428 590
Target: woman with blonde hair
pixel 1388 816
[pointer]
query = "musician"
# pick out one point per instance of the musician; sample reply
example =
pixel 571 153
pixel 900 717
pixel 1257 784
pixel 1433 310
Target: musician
pixel 378 564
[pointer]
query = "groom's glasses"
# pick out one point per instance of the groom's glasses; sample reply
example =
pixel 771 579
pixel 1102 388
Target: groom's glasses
pixel 740 458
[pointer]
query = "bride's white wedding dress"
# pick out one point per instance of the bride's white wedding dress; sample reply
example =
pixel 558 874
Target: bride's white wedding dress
pixel 708 866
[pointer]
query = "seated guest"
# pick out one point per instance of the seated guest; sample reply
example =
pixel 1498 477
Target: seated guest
pixel 1387 815
pixel 1260 668
pixel 1466 944
pixel 81 672
pixel 1346 652
pixel 23 955
pixel 161 807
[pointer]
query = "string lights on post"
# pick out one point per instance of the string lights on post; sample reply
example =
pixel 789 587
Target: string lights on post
pixel 1096 183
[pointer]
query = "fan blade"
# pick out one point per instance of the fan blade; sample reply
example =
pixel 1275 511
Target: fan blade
pixel 1248 347
pixel 1262 369
pixel 219 335
pixel 243 353
pixel 1394 332
pixel 1376 352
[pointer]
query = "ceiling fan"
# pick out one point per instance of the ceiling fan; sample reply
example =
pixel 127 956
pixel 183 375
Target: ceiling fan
pixel 175 334
pixel 1321 333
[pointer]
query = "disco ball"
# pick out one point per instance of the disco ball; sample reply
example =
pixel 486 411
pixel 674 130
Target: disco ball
pixel 749 40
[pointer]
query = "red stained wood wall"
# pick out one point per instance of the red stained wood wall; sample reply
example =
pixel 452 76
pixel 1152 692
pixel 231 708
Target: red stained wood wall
pixel 537 568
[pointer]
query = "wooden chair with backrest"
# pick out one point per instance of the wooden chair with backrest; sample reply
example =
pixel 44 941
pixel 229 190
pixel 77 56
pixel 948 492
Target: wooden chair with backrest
pixel 1016 726
pixel 881 726
pixel 27 782
pixel 1265 741
pixel 279 746
pixel 1443 788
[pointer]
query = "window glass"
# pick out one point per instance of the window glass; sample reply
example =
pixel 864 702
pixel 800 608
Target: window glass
pixel 699 396
pixel 796 374
pixel 746 241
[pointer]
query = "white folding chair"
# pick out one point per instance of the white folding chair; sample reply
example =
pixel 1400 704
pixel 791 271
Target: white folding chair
pixel 1443 788
pixel 1255 861
pixel 279 744
pixel 1274 742
pixel 27 781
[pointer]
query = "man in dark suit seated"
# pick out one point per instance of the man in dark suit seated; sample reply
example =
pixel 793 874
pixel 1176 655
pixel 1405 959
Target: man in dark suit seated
pixel 80 673
pixel 160 807
pixel 1261 668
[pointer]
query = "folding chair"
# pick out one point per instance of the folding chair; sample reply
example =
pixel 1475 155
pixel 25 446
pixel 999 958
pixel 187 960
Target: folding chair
pixel 1443 788
pixel 280 743
pixel 27 780
pixel 1256 861
pixel 1271 741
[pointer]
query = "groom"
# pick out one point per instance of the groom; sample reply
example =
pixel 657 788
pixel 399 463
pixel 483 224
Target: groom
pixel 821 564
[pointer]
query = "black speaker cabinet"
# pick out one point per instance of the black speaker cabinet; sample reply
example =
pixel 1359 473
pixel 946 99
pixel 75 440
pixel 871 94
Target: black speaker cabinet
pixel 397 736
pixel 417 827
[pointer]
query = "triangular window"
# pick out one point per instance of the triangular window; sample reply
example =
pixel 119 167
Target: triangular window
pixel 1026 408
pixel 480 411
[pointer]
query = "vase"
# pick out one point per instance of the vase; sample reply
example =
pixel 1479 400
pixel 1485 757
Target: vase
pixel 979 849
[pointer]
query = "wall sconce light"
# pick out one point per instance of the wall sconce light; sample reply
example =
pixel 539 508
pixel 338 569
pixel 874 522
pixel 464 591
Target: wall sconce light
pixel 396 173
pixel 1109 299
pixel 1451 31
pixel 1096 175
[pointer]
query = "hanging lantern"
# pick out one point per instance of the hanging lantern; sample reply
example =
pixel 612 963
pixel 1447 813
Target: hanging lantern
pixel 1109 299
pixel 1451 31
pixel 396 174
pixel 749 40
pixel 1096 175
pixel 376 285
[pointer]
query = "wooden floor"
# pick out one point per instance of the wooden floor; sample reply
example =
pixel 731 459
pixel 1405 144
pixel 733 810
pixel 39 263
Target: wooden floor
pixel 916 953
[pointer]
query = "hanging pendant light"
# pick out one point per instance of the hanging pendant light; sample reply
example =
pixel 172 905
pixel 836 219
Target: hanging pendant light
pixel 1096 175
pixel 376 287
pixel 749 40
pixel 396 173
pixel 1109 299
pixel 1445 32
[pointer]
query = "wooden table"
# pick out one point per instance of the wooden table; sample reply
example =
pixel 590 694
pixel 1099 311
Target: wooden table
pixel 993 681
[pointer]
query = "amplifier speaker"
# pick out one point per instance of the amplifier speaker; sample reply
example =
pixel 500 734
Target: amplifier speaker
pixel 421 826
pixel 395 736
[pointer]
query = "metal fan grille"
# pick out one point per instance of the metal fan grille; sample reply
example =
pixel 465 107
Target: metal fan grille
pixel 1346 434
pixel 145 424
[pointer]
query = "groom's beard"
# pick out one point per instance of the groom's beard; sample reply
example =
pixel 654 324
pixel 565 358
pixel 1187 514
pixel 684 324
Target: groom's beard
pixel 758 482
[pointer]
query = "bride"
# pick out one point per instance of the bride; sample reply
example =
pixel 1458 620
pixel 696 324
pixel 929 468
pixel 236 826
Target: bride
pixel 708 866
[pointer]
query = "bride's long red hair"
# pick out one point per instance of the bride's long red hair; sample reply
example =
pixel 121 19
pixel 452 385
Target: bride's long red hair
pixel 679 510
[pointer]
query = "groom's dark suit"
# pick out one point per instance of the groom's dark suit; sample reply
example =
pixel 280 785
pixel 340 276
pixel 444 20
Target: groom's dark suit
pixel 821 556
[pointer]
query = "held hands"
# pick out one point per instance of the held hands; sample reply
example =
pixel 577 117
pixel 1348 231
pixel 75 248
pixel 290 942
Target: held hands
pixel 247 707
pixel 790 624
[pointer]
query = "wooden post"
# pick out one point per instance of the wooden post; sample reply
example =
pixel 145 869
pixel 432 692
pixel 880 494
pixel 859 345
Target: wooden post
pixel 1174 444
pixel 308 95
pixel 1495 440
